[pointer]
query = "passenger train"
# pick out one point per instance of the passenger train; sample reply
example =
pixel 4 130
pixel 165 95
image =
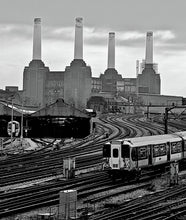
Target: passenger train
pixel 127 157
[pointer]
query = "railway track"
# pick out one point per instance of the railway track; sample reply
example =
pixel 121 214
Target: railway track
pixel 147 208
pixel 38 196
pixel 87 152
pixel 172 123
pixel 18 169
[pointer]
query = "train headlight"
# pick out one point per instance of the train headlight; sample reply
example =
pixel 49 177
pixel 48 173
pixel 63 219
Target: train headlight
pixel 126 162
pixel 106 164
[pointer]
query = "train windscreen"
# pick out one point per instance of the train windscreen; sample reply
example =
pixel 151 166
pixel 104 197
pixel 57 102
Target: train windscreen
pixel 125 151
pixel 107 150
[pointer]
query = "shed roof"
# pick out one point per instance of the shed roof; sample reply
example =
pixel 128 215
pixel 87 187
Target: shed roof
pixel 60 109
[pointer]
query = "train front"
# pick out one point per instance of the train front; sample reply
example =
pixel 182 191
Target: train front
pixel 116 158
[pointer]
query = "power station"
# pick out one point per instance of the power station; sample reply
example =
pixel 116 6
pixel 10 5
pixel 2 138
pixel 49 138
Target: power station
pixel 76 85
pixel 42 87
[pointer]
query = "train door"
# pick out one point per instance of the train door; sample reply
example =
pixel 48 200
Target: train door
pixel 115 155
pixel 125 154
pixel 168 151
pixel 183 147
pixel 150 154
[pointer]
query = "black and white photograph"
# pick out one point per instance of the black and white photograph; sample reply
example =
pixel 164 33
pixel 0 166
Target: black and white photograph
pixel 92 110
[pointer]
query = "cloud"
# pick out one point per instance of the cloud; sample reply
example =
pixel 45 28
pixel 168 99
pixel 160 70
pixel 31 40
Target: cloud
pixel 164 35
pixel 96 36
pixel 12 31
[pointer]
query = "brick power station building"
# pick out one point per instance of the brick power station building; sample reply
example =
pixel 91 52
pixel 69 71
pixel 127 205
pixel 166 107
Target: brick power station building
pixel 42 86
pixel 76 86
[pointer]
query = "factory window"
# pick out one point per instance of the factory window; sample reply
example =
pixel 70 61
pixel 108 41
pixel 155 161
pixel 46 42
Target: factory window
pixel 133 88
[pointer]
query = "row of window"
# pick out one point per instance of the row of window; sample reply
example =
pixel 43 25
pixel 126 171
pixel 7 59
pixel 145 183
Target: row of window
pixel 140 153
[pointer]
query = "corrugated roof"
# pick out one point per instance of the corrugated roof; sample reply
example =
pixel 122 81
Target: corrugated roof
pixel 62 109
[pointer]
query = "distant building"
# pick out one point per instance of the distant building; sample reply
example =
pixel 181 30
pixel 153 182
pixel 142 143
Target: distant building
pixel 43 87
pixel 10 94
pixel 111 81
pixel 77 86
pixel 149 82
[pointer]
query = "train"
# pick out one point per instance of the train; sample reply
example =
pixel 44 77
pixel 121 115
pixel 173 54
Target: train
pixel 126 158
pixel 14 128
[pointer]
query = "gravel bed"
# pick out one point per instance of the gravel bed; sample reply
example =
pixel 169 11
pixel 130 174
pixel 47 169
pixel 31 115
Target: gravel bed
pixel 158 184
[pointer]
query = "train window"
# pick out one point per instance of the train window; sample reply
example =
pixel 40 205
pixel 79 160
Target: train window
pixel 184 145
pixel 115 152
pixel 176 147
pixel 106 150
pixel 125 151
pixel 159 150
pixel 142 153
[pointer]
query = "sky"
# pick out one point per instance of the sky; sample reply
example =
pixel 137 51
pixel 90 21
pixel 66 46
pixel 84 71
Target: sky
pixel 129 19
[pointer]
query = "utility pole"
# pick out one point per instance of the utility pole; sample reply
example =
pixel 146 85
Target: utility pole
pixel 166 117
pixel 166 120
pixel 12 116
pixel 1 145
pixel 148 111
pixel 22 124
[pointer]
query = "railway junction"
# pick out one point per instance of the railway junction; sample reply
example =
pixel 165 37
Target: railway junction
pixel 31 181
pixel 52 164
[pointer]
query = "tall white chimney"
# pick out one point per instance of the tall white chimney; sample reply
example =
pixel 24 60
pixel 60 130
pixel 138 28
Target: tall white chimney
pixel 149 48
pixel 111 50
pixel 37 39
pixel 78 46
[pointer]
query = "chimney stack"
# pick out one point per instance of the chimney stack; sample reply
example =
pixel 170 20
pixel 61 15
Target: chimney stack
pixel 111 50
pixel 37 39
pixel 78 47
pixel 149 48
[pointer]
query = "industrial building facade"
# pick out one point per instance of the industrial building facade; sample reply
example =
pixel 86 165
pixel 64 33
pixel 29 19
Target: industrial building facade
pixel 76 85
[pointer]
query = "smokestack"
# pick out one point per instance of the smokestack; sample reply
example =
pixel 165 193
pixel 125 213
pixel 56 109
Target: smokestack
pixel 78 47
pixel 37 39
pixel 149 48
pixel 111 50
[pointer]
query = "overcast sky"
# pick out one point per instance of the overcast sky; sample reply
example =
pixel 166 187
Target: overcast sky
pixel 129 19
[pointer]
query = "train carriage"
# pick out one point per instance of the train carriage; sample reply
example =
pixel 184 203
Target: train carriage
pixel 130 155
pixel 182 134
